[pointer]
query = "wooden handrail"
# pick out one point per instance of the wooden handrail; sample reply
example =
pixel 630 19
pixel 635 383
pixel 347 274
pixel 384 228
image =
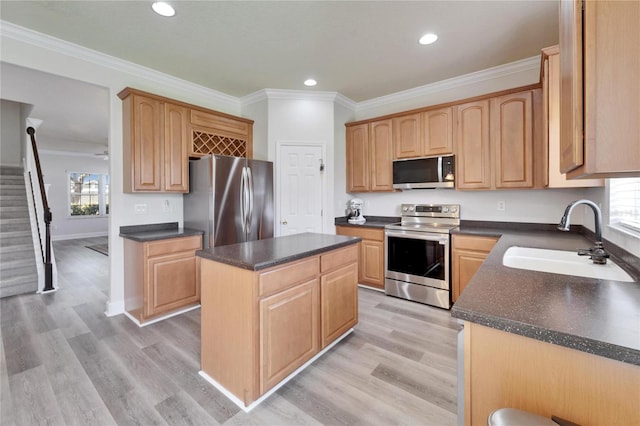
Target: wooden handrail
pixel 48 266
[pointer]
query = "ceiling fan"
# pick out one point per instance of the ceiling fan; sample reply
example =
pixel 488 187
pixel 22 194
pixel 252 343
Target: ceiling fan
pixel 104 154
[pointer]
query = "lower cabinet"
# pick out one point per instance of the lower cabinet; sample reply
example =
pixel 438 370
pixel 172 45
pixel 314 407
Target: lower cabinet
pixel 468 252
pixel 371 271
pixel 161 276
pixel 258 327
pixel 288 332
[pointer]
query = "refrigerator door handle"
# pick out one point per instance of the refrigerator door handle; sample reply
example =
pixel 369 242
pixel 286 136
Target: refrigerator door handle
pixel 250 186
pixel 243 199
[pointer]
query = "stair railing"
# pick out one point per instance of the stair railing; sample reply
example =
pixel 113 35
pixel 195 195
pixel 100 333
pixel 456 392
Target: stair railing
pixel 48 266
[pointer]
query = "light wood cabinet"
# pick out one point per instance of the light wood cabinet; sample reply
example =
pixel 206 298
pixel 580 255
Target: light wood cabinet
pixel 371 269
pixel 472 135
pixel 161 276
pixel 358 158
pixel 499 142
pixel 369 157
pixel 260 326
pixel 468 252
pixel 599 88
pixel 154 146
pixel 502 369
pixel 551 121
pixel 407 136
pixel 288 331
pixel 161 134
pixel 437 132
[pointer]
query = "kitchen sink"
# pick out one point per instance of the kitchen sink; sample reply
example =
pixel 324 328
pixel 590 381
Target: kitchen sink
pixel 562 262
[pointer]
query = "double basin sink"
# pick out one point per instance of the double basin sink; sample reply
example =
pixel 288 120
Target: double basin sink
pixel 562 262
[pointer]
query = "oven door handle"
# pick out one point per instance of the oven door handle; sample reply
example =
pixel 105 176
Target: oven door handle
pixel 419 236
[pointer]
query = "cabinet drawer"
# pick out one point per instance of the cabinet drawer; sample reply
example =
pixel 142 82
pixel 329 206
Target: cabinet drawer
pixel 472 242
pixel 364 233
pixel 225 124
pixel 174 245
pixel 339 257
pixel 281 277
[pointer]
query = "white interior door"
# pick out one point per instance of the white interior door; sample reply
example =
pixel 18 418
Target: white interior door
pixel 300 191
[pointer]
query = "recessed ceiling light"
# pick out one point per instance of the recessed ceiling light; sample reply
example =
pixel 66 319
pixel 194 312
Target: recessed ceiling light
pixel 162 8
pixel 428 38
pixel 310 82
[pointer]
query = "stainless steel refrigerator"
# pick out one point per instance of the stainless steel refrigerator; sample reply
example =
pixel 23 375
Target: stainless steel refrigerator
pixel 230 199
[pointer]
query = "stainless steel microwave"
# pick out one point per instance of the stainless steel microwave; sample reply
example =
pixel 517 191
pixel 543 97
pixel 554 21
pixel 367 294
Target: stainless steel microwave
pixel 426 172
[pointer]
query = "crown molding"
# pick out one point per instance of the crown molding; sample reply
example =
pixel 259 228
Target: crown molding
pixel 452 83
pixel 25 35
pixel 286 94
pixel 65 153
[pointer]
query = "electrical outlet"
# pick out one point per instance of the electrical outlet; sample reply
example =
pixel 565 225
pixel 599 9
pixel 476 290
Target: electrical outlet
pixel 140 209
pixel 166 206
pixel 501 206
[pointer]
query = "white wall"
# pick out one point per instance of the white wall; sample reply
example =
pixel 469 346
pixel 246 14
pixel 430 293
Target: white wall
pixel 55 167
pixel 301 117
pixel 33 50
pixel 342 114
pixel 259 113
pixel 10 133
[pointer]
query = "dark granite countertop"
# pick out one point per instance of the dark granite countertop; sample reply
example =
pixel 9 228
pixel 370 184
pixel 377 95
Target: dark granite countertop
pixel 156 231
pixel 262 254
pixel 601 317
pixel 372 221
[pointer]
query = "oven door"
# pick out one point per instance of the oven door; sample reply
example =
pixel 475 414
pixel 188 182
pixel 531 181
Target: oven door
pixel 417 257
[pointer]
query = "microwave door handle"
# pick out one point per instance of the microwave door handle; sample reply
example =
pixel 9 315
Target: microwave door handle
pixel 440 169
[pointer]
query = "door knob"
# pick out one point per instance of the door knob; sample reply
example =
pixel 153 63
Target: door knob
pixel 284 221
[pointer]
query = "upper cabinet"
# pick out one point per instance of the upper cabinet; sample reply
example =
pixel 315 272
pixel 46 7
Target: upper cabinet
pixel 369 157
pixel 551 119
pixel 423 134
pixel 499 144
pixel 160 135
pixel 599 88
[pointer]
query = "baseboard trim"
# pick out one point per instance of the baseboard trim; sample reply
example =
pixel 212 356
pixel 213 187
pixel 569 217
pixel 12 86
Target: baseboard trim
pixel 79 236
pixel 381 290
pixel 162 318
pixel 114 308
pixel 254 404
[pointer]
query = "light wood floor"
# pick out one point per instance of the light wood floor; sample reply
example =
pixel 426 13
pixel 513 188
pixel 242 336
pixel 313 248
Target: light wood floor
pixel 64 362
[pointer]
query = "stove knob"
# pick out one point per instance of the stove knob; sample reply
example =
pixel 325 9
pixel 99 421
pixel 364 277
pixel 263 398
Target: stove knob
pixel 453 209
pixel 445 210
pixel 405 208
pixel 411 208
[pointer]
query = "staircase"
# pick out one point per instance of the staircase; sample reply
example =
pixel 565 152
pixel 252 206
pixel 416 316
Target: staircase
pixel 18 272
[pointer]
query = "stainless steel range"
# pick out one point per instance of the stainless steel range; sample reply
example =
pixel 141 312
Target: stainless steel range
pixel 417 254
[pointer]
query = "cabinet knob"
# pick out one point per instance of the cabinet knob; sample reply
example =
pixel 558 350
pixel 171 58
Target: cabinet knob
pixel 284 221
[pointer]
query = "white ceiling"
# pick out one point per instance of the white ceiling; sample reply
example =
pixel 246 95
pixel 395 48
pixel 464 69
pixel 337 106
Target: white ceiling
pixel 362 49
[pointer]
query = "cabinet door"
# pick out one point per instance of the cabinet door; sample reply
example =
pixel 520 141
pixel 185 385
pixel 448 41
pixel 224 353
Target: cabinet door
pixel 176 145
pixel 467 255
pixel 437 131
pixel 406 136
pixel 512 140
pixel 289 324
pixel 339 302
pixel 146 144
pixel 372 263
pixel 571 88
pixel 172 282
pixel 358 158
pixel 473 165
pixel 381 155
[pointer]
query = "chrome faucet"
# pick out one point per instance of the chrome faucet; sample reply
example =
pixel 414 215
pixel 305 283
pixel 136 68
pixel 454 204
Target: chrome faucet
pixel 597 252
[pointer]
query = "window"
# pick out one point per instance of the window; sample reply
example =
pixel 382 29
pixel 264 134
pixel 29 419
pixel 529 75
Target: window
pixel 624 203
pixel 88 194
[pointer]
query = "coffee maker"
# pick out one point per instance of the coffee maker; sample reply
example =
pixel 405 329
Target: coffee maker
pixel 355 211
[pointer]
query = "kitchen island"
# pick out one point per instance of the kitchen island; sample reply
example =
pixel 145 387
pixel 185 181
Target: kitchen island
pixel 271 307
pixel 546 343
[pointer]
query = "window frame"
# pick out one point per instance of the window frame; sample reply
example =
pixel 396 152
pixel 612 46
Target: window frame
pixel 628 228
pixel 104 183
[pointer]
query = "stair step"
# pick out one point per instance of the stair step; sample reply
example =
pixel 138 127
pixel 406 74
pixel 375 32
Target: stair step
pixel 11 253
pixel 13 200
pixel 15 238
pixel 7 271
pixel 15 179
pixel 23 226
pixel 18 285
pixel 11 170
pixel 13 212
